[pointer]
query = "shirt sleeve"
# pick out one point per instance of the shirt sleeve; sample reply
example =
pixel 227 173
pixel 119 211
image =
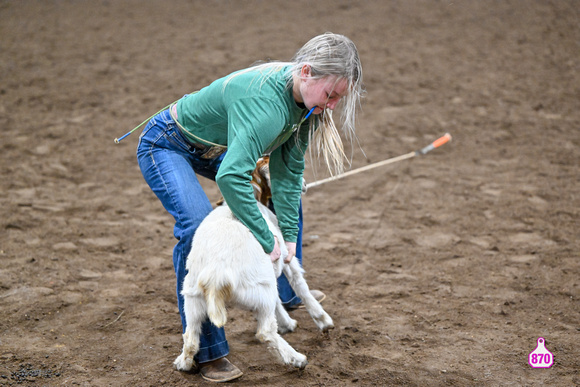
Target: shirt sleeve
pixel 252 126
pixel 286 171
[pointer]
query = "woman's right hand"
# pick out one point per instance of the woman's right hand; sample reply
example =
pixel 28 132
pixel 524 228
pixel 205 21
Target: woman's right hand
pixel 275 254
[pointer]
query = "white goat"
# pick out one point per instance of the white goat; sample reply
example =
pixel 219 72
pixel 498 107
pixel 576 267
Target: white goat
pixel 228 265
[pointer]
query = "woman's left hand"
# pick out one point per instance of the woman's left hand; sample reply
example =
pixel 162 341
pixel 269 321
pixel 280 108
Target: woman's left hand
pixel 291 246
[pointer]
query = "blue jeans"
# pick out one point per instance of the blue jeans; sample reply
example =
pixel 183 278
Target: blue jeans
pixel 169 165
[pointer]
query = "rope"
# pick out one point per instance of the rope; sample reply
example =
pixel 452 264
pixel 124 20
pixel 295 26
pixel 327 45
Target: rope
pixel 117 140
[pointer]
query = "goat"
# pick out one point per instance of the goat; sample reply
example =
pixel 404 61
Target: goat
pixel 228 265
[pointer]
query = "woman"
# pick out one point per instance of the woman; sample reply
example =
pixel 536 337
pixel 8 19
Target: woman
pixel 274 108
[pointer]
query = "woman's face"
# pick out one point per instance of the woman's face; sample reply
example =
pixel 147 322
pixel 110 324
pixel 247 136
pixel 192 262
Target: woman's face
pixel 324 93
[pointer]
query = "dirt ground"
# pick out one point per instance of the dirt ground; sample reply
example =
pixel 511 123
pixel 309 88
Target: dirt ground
pixel 439 270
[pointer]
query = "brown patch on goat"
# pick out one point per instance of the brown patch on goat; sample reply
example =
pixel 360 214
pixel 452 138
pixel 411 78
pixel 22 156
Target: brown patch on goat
pixel 260 182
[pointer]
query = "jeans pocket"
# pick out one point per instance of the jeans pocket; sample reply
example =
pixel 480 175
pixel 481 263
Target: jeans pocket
pixel 175 139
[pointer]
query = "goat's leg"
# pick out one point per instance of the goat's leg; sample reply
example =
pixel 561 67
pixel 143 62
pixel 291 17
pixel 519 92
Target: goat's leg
pixel 267 333
pixel 285 322
pixel 195 314
pixel 293 272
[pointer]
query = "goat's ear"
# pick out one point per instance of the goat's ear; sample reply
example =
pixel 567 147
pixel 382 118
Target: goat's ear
pixel 261 181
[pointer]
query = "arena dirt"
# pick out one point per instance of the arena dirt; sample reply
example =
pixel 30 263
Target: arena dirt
pixel 439 270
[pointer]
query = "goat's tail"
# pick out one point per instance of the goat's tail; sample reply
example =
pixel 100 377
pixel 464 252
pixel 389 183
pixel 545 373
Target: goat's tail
pixel 216 296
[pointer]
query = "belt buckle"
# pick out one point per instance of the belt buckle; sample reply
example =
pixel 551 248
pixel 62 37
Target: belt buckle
pixel 212 152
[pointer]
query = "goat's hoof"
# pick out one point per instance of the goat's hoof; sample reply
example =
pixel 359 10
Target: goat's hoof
pixel 290 327
pixel 324 323
pixel 183 364
pixel 300 361
pixel 326 328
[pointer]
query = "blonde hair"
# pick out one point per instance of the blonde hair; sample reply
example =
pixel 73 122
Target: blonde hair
pixel 327 55
pixel 332 54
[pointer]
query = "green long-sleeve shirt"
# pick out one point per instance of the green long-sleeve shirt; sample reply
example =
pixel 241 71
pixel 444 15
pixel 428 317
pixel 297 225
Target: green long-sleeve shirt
pixel 253 114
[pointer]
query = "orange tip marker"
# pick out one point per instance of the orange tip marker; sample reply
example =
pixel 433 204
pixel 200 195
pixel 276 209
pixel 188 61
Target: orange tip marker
pixel 435 144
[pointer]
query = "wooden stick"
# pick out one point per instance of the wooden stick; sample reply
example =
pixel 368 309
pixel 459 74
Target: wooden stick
pixel 435 144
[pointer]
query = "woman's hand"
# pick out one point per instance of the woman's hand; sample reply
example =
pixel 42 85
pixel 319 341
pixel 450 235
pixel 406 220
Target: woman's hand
pixel 291 246
pixel 275 254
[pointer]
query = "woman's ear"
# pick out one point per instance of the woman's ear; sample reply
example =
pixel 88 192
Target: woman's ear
pixel 305 71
